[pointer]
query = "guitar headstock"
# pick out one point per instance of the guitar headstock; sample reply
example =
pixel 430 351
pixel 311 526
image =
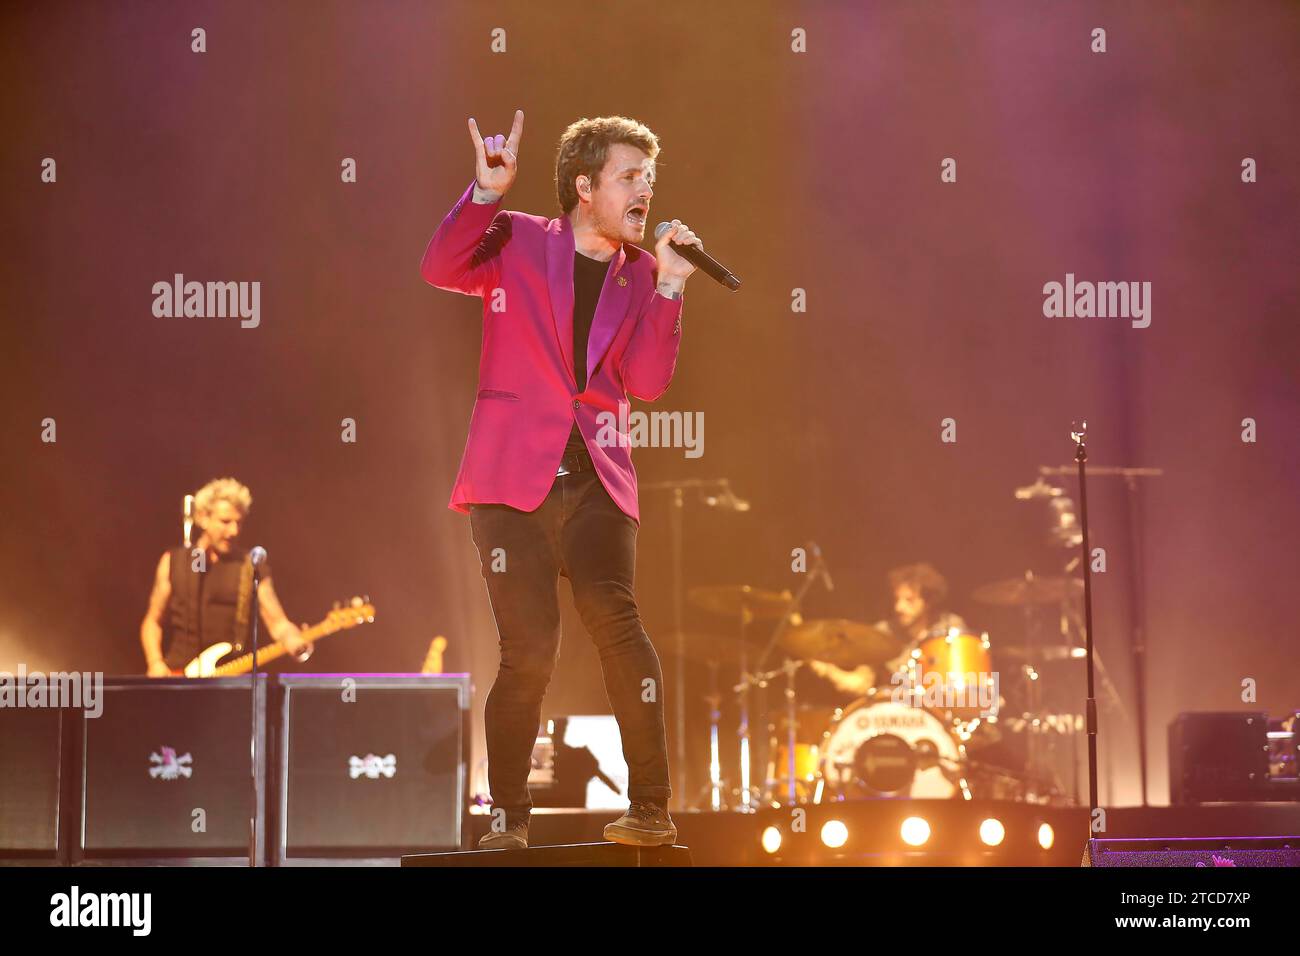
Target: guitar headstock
pixel 357 611
pixel 433 660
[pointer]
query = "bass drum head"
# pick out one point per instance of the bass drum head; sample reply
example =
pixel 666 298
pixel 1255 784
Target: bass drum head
pixel 882 748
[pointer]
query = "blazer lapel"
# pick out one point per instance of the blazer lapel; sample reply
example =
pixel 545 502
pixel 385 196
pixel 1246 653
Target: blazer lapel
pixel 559 276
pixel 610 310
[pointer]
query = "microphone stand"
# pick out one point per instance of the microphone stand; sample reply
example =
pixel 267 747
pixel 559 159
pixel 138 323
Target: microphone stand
pixel 257 556
pixel 676 521
pixel 1079 432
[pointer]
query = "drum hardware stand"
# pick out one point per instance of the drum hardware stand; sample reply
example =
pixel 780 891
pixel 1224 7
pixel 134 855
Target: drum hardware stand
pixel 741 690
pixel 1040 779
pixel 1137 610
pixel 678 490
pixel 1071 632
pixel 790 668
pixel 818 570
pixel 955 772
pixel 763 680
pixel 1032 696
pixel 714 786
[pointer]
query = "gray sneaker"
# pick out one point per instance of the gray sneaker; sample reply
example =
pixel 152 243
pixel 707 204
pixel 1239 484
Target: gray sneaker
pixel 514 837
pixel 644 824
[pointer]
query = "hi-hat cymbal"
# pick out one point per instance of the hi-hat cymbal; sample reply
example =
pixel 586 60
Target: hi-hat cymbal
pixel 731 599
pixel 841 642
pixel 1012 592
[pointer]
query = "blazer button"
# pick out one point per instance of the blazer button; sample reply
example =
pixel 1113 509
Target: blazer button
pixel 577 404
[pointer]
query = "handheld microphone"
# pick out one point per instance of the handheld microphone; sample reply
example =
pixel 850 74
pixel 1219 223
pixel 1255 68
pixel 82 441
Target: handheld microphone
pixel 701 260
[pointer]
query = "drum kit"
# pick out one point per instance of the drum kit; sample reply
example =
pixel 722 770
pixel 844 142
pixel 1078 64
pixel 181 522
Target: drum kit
pixel 939 726
pixel 925 731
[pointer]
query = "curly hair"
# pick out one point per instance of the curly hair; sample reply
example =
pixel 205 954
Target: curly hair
pixel 584 149
pixel 922 578
pixel 222 489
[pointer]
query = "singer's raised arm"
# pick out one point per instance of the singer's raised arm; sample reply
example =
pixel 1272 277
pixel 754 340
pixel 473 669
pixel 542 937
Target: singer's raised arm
pixel 464 254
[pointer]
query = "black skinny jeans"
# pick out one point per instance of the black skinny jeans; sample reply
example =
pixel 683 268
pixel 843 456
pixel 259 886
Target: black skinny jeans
pixel 579 532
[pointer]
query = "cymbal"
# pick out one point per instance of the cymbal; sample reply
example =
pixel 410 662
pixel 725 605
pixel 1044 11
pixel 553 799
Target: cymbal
pixel 731 599
pixel 1011 592
pixel 841 642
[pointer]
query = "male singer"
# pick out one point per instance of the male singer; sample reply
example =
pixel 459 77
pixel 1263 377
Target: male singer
pixel 576 317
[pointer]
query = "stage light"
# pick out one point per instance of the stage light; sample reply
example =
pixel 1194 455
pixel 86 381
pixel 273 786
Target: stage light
pixel 771 839
pixel 992 832
pixel 1046 836
pixel 915 831
pixel 834 834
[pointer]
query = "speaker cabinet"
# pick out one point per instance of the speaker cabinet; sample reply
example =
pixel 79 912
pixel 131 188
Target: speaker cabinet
pixel 370 766
pixel 1218 757
pixel 165 771
pixel 32 750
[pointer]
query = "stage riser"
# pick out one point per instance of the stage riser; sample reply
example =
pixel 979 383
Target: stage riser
pixel 578 855
pixel 1263 851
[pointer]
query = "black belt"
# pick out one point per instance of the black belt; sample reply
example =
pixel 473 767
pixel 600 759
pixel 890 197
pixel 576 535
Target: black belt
pixel 574 462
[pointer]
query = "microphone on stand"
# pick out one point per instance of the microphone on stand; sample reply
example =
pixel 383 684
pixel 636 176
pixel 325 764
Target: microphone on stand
pixel 1039 489
pixel 187 517
pixel 726 500
pixel 820 565
pixel 258 558
pixel 697 257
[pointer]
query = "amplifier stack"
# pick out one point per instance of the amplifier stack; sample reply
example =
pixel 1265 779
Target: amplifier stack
pixel 351 768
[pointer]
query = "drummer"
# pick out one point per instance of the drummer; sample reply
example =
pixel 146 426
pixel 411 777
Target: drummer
pixel 920 596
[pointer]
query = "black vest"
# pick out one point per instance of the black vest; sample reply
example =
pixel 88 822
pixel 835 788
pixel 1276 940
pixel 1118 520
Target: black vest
pixel 204 606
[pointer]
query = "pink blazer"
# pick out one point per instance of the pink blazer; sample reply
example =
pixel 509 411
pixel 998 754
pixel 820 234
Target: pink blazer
pixel 522 268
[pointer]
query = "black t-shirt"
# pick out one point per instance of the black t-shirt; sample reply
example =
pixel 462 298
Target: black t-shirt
pixel 588 280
